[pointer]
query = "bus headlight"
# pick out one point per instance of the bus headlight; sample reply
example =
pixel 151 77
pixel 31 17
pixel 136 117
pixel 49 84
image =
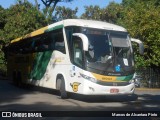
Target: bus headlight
pixel 88 78
pixel 131 81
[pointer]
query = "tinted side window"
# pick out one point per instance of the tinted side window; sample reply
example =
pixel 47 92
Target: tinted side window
pixel 58 40
pixel 49 41
pixel 40 43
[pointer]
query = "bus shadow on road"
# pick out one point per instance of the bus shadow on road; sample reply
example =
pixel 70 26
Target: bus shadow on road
pixel 106 98
pixel 90 98
pixel 86 98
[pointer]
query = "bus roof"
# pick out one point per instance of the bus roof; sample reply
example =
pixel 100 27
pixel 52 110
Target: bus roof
pixel 93 24
pixel 73 22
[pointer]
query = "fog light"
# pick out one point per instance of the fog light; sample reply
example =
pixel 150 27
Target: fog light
pixel 132 81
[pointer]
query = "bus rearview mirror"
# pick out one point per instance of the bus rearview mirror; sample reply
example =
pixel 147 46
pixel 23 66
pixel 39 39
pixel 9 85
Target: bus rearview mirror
pixel 84 40
pixel 140 43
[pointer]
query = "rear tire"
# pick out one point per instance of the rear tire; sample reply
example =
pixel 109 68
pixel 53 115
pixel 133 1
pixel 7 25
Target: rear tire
pixel 61 87
pixel 14 78
pixel 19 79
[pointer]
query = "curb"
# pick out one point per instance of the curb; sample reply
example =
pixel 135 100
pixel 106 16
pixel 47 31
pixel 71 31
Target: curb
pixel 147 89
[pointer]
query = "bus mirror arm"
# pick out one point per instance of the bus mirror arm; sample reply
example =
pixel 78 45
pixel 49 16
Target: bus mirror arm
pixel 84 40
pixel 141 46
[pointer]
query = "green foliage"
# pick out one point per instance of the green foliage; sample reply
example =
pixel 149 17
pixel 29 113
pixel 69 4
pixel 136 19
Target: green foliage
pixel 92 13
pixel 49 9
pixel 62 13
pixel 2 38
pixel 2 17
pixel 2 22
pixel 142 20
pixel 47 12
pixel 22 19
pixel 16 21
pixel 110 13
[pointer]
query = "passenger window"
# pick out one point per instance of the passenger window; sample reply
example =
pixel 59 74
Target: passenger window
pixel 49 41
pixel 59 42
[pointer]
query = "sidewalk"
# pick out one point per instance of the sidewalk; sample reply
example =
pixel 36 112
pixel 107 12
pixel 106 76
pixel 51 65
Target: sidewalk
pixel 147 89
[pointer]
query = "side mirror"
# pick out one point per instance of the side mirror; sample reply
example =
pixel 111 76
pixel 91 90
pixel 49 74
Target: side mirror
pixel 140 43
pixel 84 40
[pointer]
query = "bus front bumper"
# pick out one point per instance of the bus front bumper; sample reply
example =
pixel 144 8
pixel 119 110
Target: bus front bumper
pixel 91 88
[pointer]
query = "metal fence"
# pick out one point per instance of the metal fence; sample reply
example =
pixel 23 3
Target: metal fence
pixel 149 77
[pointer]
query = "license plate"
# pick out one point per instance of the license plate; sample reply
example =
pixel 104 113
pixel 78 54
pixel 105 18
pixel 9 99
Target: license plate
pixel 114 90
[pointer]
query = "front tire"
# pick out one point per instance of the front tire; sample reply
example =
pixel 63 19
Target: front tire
pixel 61 88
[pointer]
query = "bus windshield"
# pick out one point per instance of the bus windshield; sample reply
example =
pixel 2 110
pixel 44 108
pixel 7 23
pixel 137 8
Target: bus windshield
pixel 109 52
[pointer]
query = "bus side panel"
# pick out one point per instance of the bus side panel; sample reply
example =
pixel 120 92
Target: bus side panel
pixel 19 65
pixel 59 64
pixel 40 64
pixel 10 65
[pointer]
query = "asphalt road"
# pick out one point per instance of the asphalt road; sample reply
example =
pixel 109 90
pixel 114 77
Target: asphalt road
pixel 13 98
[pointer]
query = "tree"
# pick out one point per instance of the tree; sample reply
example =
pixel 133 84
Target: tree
pixel 2 22
pixel 142 20
pixel 18 20
pixel 48 3
pixel 92 13
pixel 49 9
pixel 22 19
pixel 2 38
pixel 2 17
pixel 62 13
pixel 48 13
pixel 110 13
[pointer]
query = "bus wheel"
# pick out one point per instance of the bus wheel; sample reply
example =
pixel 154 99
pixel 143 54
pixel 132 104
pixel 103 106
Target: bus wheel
pixel 61 87
pixel 14 78
pixel 19 79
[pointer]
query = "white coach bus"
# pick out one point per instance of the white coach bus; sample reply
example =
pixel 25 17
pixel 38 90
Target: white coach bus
pixel 74 55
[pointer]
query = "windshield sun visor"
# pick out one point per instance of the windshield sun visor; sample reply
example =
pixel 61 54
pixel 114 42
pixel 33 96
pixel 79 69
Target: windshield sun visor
pixel 119 41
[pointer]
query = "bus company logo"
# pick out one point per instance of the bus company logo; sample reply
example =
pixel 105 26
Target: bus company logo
pixel 75 86
pixel 106 78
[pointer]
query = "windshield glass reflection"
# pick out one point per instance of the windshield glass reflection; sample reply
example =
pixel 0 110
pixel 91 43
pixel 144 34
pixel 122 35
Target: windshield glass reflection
pixel 109 50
